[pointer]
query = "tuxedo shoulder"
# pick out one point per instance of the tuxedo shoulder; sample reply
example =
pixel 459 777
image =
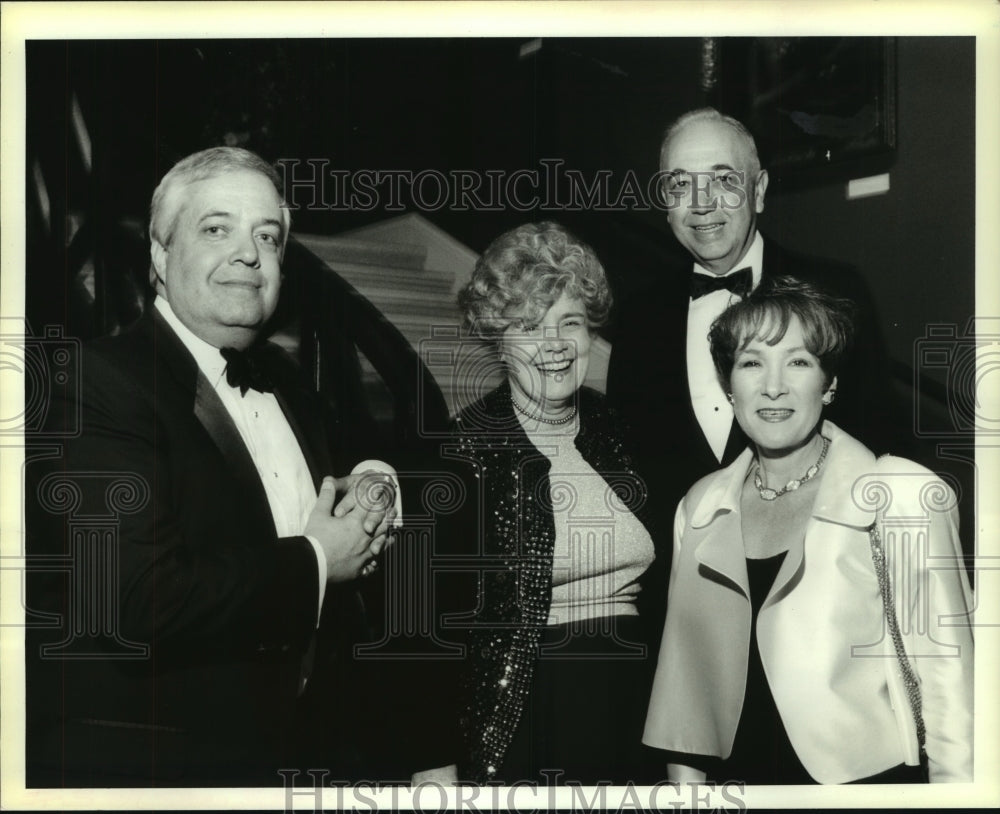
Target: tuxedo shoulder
pixel 645 309
pixel 130 351
pixel 826 271
pixel 793 256
pixel 650 294
pixel 278 355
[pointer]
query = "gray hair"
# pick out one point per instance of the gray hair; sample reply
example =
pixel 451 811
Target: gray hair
pixel 710 114
pixel 166 205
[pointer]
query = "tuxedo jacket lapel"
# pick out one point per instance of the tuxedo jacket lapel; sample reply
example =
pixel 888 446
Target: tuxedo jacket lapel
pixel 736 441
pixel 210 412
pixel 678 324
pixel 715 523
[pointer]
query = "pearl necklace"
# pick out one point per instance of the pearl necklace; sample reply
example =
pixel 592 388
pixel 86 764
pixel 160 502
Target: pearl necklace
pixel 792 485
pixel 553 421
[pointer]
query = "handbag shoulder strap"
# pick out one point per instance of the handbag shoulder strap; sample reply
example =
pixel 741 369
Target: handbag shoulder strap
pixel 910 680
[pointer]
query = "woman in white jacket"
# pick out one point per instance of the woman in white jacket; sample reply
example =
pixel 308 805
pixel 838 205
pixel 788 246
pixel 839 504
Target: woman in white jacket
pixel 778 664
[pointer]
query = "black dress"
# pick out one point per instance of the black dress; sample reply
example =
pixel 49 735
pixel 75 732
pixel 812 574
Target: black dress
pixel 582 720
pixel 762 752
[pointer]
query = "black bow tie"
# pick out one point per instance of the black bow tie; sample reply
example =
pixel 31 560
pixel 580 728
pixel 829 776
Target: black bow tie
pixel 739 282
pixel 244 369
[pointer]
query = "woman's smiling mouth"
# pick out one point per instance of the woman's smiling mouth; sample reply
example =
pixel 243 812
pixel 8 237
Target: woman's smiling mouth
pixel 774 414
pixel 552 368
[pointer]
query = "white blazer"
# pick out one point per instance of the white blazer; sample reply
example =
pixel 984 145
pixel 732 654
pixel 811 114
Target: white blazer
pixel 823 640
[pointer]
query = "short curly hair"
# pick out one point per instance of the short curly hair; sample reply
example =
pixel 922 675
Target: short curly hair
pixel 524 271
pixel 828 324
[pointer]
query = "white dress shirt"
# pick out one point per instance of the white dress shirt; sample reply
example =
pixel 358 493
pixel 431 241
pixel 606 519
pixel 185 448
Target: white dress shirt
pixel 711 407
pixel 269 439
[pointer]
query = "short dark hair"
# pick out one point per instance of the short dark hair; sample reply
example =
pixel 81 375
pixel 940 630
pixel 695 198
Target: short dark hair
pixel 524 271
pixel 827 324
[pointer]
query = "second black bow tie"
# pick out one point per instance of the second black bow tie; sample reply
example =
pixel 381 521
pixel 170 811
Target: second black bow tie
pixel 739 282
pixel 245 370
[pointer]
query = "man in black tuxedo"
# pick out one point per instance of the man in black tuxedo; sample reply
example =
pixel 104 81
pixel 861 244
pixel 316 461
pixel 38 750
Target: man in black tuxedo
pixel 200 447
pixel 661 375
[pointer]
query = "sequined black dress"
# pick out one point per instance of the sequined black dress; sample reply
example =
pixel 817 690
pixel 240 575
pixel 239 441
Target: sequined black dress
pixel 580 715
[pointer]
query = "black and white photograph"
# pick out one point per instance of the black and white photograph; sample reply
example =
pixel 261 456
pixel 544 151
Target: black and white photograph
pixel 487 406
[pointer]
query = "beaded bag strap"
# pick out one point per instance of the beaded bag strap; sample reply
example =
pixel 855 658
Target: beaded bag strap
pixel 909 677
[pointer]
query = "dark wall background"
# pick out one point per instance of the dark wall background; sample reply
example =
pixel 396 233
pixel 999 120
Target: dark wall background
pixel 916 244
pixel 454 104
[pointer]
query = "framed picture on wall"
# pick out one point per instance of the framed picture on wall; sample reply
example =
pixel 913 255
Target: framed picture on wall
pixel 811 102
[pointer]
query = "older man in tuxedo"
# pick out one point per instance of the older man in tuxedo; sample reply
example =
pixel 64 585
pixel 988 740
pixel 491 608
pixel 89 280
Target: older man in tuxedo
pixel 661 375
pixel 232 551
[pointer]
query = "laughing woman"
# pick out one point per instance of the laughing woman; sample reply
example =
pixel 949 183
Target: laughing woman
pixel 556 669
pixel 818 626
